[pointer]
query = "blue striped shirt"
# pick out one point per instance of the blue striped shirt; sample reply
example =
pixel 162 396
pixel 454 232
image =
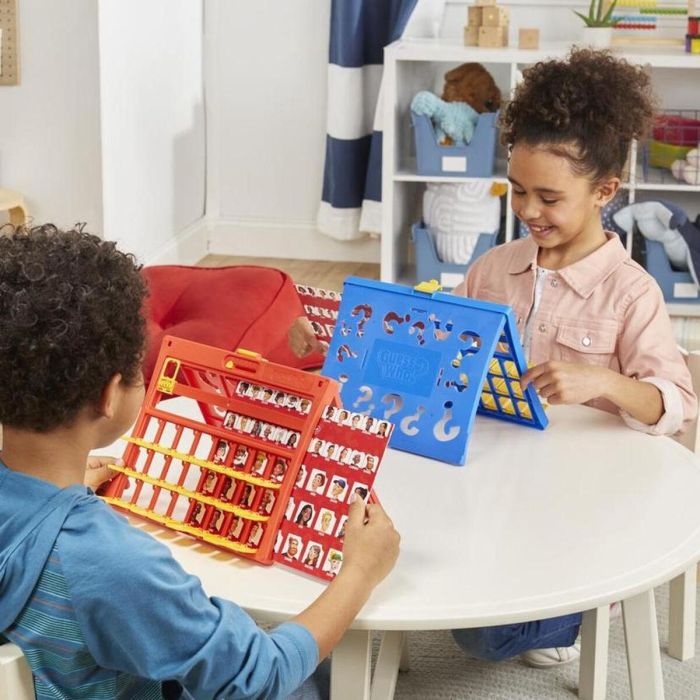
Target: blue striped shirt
pixel 102 610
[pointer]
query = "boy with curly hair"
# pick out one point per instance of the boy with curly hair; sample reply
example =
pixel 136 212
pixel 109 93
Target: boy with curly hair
pixel 71 345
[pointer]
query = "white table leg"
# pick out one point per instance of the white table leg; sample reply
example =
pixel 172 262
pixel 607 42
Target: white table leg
pixel 350 666
pixel 681 616
pixel 643 653
pixel 593 669
pixel 405 662
pixel 387 667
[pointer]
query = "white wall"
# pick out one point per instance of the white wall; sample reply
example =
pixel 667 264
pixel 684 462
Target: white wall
pixel 50 122
pixel 153 131
pixel 266 98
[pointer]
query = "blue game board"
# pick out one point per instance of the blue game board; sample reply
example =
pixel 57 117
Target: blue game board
pixel 427 361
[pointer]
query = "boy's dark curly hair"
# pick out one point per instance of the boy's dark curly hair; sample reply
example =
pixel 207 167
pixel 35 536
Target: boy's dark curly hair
pixel 70 319
pixel 591 100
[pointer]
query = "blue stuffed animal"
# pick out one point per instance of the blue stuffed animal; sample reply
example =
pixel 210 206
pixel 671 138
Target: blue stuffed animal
pixel 454 119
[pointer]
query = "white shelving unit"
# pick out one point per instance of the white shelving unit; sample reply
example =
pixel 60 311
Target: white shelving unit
pixel 411 65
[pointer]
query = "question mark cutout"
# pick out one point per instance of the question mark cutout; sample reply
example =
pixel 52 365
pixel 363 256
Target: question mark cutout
pixel 344 351
pixel 460 385
pixel 471 345
pixel 439 430
pixel 366 311
pixel 418 328
pixel 393 317
pixel 408 426
pixel 438 332
pixel 364 397
pixel 397 404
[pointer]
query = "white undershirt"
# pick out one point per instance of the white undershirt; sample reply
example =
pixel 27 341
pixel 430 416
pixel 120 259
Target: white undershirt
pixel 542 274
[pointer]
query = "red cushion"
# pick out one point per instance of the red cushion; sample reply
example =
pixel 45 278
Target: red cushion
pixel 229 307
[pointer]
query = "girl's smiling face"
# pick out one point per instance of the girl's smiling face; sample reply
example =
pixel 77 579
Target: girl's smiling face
pixel 559 206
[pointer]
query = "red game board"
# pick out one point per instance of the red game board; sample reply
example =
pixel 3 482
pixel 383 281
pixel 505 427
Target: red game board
pixel 231 478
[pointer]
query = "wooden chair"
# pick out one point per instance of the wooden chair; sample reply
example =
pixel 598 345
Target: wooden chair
pixel 683 592
pixel 16 680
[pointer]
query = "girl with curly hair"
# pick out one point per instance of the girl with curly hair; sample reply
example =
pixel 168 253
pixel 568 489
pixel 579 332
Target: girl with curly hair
pixel 593 322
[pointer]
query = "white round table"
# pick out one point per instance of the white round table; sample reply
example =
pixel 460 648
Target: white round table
pixel 536 524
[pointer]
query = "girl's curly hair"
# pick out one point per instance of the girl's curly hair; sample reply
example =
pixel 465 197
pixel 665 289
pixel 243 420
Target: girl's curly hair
pixel 591 100
pixel 70 319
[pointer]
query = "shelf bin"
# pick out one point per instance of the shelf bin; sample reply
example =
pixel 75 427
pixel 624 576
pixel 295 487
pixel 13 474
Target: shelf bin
pixel 429 266
pixel 677 286
pixel 474 160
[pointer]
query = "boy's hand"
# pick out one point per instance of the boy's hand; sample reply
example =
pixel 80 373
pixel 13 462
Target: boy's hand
pixel 97 472
pixel 567 382
pixel 302 339
pixel 371 543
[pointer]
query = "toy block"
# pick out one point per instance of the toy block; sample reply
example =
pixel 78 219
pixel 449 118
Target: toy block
pixel 484 3
pixel 693 25
pixel 493 37
pixel 692 43
pixel 494 17
pixel 529 39
pixel 475 16
pixel 471 35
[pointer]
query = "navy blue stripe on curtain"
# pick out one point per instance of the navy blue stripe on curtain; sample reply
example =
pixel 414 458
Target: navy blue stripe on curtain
pixel 359 31
pixel 361 175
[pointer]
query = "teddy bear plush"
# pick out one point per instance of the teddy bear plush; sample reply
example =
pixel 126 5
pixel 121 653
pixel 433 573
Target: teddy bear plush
pixel 469 90
pixel 473 84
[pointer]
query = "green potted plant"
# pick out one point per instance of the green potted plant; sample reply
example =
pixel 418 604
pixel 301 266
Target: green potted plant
pixel 599 23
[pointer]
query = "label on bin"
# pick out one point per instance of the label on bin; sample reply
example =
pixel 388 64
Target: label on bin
pixel 454 164
pixel 685 290
pixel 451 279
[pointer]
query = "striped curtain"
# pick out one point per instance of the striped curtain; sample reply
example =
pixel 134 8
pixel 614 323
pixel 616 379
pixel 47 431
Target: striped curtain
pixel 352 179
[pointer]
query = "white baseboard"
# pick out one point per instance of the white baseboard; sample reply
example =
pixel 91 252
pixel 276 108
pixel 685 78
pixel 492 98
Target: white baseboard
pixel 187 248
pixel 279 239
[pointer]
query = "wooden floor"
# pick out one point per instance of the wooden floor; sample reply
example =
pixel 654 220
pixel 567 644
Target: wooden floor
pixel 318 273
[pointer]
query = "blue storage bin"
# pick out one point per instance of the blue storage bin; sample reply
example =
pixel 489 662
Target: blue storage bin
pixel 677 286
pixel 430 267
pixel 474 160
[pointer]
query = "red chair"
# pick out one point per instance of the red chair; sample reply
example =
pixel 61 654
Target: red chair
pixel 242 306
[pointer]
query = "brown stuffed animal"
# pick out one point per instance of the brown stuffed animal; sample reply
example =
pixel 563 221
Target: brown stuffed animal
pixel 473 84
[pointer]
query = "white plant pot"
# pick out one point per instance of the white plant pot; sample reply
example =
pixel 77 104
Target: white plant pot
pixel 597 37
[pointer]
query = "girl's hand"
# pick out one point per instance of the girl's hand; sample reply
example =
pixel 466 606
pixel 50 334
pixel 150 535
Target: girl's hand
pixel 302 339
pixel 567 382
pixel 98 473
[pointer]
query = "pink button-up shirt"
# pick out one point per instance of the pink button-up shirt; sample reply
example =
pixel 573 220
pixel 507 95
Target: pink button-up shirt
pixel 603 310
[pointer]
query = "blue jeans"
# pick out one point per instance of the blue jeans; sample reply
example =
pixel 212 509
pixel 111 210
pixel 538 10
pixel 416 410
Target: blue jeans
pixel 504 641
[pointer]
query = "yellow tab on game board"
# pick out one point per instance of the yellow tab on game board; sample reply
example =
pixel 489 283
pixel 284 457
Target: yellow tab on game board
pixel 506 405
pixel 524 409
pixel 516 389
pixel 166 384
pixel 488 401
pixel 500 386
pixel 511 369
pixel 429 287
pixel 495 367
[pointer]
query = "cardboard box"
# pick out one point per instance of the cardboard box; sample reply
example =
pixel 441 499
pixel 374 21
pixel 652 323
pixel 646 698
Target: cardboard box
pixel 484 3
pixel 493 37
pixel 529 39
pixel 471 35
pixel 494 16
pixel 475 15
